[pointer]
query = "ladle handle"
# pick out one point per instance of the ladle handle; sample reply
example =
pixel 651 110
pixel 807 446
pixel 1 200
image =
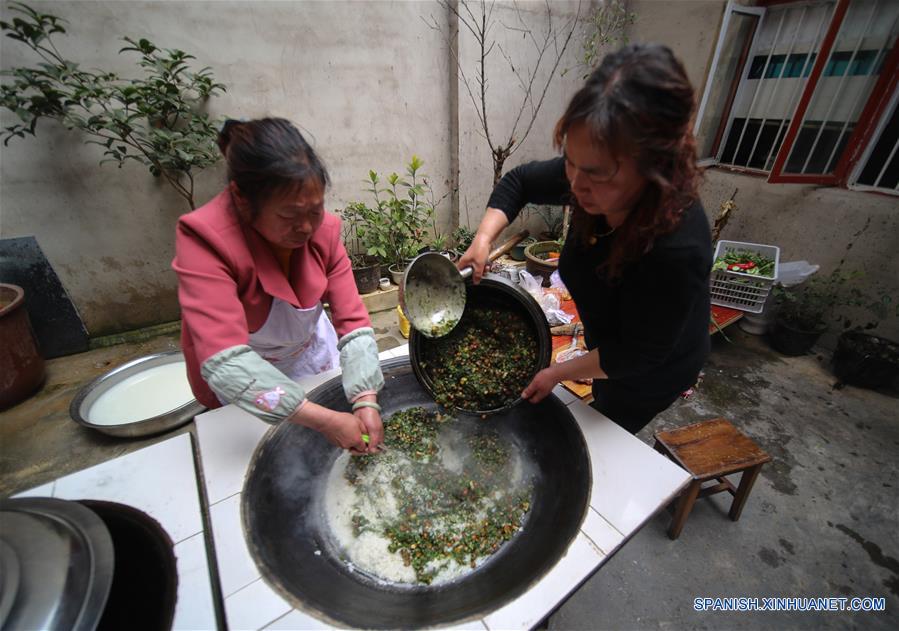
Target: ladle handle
pixel 508 245
pixel 498 252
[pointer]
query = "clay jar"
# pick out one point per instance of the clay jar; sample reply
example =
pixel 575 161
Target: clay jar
pixel 21 364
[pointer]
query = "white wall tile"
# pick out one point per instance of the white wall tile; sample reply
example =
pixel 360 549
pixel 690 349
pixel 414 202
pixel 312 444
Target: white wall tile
pixel 601 532
pixel 236 567
pixel 44 490
pixel 297 621
pixel 227 436
pixel 631 481
pixel 159 480
pixel 530 608
pixel 194 609
pixel 254 607
pixel 564 395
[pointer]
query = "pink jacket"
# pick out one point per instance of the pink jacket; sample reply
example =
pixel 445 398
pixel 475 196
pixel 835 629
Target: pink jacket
pixel 227 277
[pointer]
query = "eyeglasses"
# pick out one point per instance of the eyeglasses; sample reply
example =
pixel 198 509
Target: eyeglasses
pixel 597 175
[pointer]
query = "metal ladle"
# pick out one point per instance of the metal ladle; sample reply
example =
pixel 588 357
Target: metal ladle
pixel 432 294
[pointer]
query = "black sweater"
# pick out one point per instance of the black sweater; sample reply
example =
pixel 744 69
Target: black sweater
pixel 651 326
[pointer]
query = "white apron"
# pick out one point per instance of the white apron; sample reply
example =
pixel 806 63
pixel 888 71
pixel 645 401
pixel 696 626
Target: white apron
pixel 298 342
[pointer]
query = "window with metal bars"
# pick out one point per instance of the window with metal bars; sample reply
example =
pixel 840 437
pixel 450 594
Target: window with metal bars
pixel 796 88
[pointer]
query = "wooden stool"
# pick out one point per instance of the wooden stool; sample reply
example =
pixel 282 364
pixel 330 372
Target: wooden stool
pixel 711 450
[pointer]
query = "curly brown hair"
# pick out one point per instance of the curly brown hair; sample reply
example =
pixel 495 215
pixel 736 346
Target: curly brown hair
pixel 640 101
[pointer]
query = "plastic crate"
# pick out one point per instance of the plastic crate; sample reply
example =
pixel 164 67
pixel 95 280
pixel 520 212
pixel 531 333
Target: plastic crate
pixel 739 290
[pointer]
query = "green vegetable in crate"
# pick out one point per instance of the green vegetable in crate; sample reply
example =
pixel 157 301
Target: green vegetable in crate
pixel 745 262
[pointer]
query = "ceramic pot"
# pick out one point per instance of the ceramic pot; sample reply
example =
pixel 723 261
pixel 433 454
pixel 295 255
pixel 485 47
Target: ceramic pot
pixel 539 266
pixel 21 364
pixel 396 274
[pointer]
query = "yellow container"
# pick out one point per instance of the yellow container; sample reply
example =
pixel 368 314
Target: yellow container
pixel 404 323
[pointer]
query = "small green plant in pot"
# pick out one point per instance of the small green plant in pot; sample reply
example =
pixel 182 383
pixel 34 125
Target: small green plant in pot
pixel 462 237
pixel 803 311
pixel 395 227
pixel 366 267
pixel 864 359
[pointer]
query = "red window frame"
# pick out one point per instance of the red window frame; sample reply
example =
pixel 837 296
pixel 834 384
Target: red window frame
pixel 877 101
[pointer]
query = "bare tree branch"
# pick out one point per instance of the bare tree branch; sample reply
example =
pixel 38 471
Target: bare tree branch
pixel 481 26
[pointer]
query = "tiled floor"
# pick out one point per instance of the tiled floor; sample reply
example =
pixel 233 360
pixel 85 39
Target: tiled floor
pixel 644 481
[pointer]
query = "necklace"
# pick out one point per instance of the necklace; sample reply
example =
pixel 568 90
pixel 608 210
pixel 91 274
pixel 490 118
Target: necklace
pixel 597 236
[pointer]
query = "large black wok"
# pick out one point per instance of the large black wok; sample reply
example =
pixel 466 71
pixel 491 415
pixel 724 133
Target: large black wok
pixel 292 547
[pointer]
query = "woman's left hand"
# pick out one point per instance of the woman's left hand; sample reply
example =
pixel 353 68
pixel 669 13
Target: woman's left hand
pixel 541 385
pixel 371 418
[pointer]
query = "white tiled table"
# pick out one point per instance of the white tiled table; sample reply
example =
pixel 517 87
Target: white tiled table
pixel 630 483
pixel 161 481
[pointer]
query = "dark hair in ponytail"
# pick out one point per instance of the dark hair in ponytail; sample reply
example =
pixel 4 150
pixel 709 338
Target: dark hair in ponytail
pixel 268 156
pixel 640 100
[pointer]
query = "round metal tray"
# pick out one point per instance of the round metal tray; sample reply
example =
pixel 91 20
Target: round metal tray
pixel 145 427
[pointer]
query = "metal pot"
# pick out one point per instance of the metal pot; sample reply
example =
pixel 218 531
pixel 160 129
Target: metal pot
pixel 61 557
pixel 501 292
pixel 81 404
pixel 83 565
pixel 296 554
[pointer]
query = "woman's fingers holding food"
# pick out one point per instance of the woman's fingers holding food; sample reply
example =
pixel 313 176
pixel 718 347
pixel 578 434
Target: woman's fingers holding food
pixel 345 430
pixel 371 420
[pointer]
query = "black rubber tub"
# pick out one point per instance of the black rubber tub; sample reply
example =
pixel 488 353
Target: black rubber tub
pixel 495 292
pixel 865 360
pixel 297 556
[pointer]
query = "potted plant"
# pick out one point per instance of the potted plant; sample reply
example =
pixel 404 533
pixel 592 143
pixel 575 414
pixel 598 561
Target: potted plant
pixel 803 311
pixel 553 218
pixel 462 237
pixel 864 359
pixel 394 228
pixel 366 267
pixel 517 252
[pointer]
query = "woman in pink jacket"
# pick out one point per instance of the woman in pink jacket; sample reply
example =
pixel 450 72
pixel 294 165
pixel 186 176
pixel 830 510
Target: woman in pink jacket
pixel 254 266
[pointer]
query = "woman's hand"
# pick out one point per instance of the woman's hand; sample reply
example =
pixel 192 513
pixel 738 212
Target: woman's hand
pixel 371 419
pixel 339 428
pixel 345 430
pixel 541 385
pixel 476 257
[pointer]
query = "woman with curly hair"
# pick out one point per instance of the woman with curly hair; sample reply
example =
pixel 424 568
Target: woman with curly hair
pixel 638 255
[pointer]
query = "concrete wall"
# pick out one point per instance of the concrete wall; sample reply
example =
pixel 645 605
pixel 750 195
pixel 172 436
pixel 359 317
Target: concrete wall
pixel 369 82
pixel 821 225
pixel 366 81
pixel 811 223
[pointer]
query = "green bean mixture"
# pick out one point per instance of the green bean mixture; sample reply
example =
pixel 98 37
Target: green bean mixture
pixel 482 364
pixel 443 516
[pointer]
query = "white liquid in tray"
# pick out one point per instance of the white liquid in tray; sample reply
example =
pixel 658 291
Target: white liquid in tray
pixel 144 395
